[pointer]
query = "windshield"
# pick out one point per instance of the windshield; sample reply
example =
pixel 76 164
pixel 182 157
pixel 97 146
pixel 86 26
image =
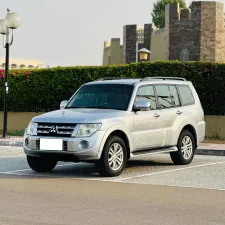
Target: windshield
pixel 105 96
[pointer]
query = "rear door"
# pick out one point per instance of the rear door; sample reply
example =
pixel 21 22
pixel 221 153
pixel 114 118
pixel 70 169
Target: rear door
pixel 171 111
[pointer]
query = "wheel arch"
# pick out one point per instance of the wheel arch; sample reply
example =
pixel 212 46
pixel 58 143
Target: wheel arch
pixel 120 132
pixel 191 129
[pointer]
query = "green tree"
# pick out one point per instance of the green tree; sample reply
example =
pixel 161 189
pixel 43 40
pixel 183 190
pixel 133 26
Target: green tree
pixel 158 13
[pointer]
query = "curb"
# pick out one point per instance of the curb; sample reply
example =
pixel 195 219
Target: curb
pixel 11 143
pixel 210 152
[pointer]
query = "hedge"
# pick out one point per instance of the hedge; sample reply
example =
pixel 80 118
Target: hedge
pixel 42 90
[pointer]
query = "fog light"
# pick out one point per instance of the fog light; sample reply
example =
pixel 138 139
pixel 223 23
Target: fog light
pixel 26 142
pixel 84 144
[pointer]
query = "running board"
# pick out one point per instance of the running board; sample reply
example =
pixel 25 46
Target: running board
pixel 152 151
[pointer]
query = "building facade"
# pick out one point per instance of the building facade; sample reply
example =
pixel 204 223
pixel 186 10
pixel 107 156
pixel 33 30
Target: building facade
pixel 196 34
pixel 158 46
pixel 134 39
pixel 113 52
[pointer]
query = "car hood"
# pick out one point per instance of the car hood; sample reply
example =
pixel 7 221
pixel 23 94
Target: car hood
pixel 78 116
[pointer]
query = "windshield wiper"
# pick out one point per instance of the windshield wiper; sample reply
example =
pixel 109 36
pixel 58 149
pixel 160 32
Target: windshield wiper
pixel 73 107
pixel 96 107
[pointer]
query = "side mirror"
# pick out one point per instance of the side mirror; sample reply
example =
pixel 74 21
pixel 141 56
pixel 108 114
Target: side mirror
pixel 63 104
pixel 142 106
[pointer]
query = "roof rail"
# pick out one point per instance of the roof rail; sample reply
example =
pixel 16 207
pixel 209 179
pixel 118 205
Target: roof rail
pixel 164 78
pixel 114 78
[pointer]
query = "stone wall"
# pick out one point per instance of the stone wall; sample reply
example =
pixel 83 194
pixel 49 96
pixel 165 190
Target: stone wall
pixel 182 31
pixel 208 30
pixel 197 34
pixel 190 35
pixel 130 40
pixel 220 33
pixel 129 43
pixel 149 30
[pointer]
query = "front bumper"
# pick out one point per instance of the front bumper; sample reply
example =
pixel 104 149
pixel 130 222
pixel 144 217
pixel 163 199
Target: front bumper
pixel 73 151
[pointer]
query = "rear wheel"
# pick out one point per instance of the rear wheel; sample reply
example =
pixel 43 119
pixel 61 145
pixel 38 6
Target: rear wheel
pixel 41 164
pixel 186 149
pixel 114 157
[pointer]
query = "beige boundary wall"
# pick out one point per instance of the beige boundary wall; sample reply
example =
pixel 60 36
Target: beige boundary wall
pixel 215 125
pixel 18 120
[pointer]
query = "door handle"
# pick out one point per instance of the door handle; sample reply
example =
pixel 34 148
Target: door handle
pixel 179 112
pixel 156 115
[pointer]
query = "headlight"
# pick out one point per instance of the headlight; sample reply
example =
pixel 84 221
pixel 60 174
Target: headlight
pixel 86 130
pixel 32 129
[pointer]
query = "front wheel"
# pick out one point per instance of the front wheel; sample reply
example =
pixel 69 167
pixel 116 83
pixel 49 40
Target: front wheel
pixel 186 149
pixel 41 164
pixel 114 157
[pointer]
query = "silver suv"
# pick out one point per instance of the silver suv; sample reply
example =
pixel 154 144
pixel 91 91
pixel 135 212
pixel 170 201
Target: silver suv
pixel 112 120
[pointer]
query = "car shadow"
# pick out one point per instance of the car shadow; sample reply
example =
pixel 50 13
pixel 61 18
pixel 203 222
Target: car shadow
pixel 89 171
pixel 147 163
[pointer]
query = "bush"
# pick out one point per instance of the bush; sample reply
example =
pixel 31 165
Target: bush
pixel 42 90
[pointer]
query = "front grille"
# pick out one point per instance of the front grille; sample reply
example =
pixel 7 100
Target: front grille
pixel 55 130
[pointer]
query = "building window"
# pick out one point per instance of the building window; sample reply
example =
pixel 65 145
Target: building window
pixel 184 55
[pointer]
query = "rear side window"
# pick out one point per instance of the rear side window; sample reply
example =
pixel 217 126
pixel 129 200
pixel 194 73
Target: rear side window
pixel 174 96
pixel 186 95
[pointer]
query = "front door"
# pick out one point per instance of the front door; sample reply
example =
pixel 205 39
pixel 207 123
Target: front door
pixel 147 125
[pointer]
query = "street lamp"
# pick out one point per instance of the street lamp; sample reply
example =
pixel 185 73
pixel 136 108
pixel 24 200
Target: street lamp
pixel 144 53
pixel 7 26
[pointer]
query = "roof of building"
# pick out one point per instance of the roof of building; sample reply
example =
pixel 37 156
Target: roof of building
pixel 21 61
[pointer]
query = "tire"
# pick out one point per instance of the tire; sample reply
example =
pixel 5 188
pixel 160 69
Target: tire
pixel 41 164
pixel 185 156
pixel 109 160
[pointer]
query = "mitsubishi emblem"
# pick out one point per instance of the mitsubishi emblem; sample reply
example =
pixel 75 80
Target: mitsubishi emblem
pixel 53 129
pixel 63 113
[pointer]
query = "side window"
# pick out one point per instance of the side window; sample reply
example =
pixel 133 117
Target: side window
pixel 186 95
pixel 147 93
pixel 164 97
pixel 174 96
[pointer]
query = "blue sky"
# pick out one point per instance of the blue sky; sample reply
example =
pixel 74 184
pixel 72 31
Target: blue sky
pixel 71 32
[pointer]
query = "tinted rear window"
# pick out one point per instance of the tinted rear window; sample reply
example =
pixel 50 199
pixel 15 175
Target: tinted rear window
pixel 186 95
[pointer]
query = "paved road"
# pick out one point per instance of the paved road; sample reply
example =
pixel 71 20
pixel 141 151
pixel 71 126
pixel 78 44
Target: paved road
pixel 150 191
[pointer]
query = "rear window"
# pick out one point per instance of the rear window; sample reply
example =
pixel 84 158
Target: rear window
pixel 186 95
